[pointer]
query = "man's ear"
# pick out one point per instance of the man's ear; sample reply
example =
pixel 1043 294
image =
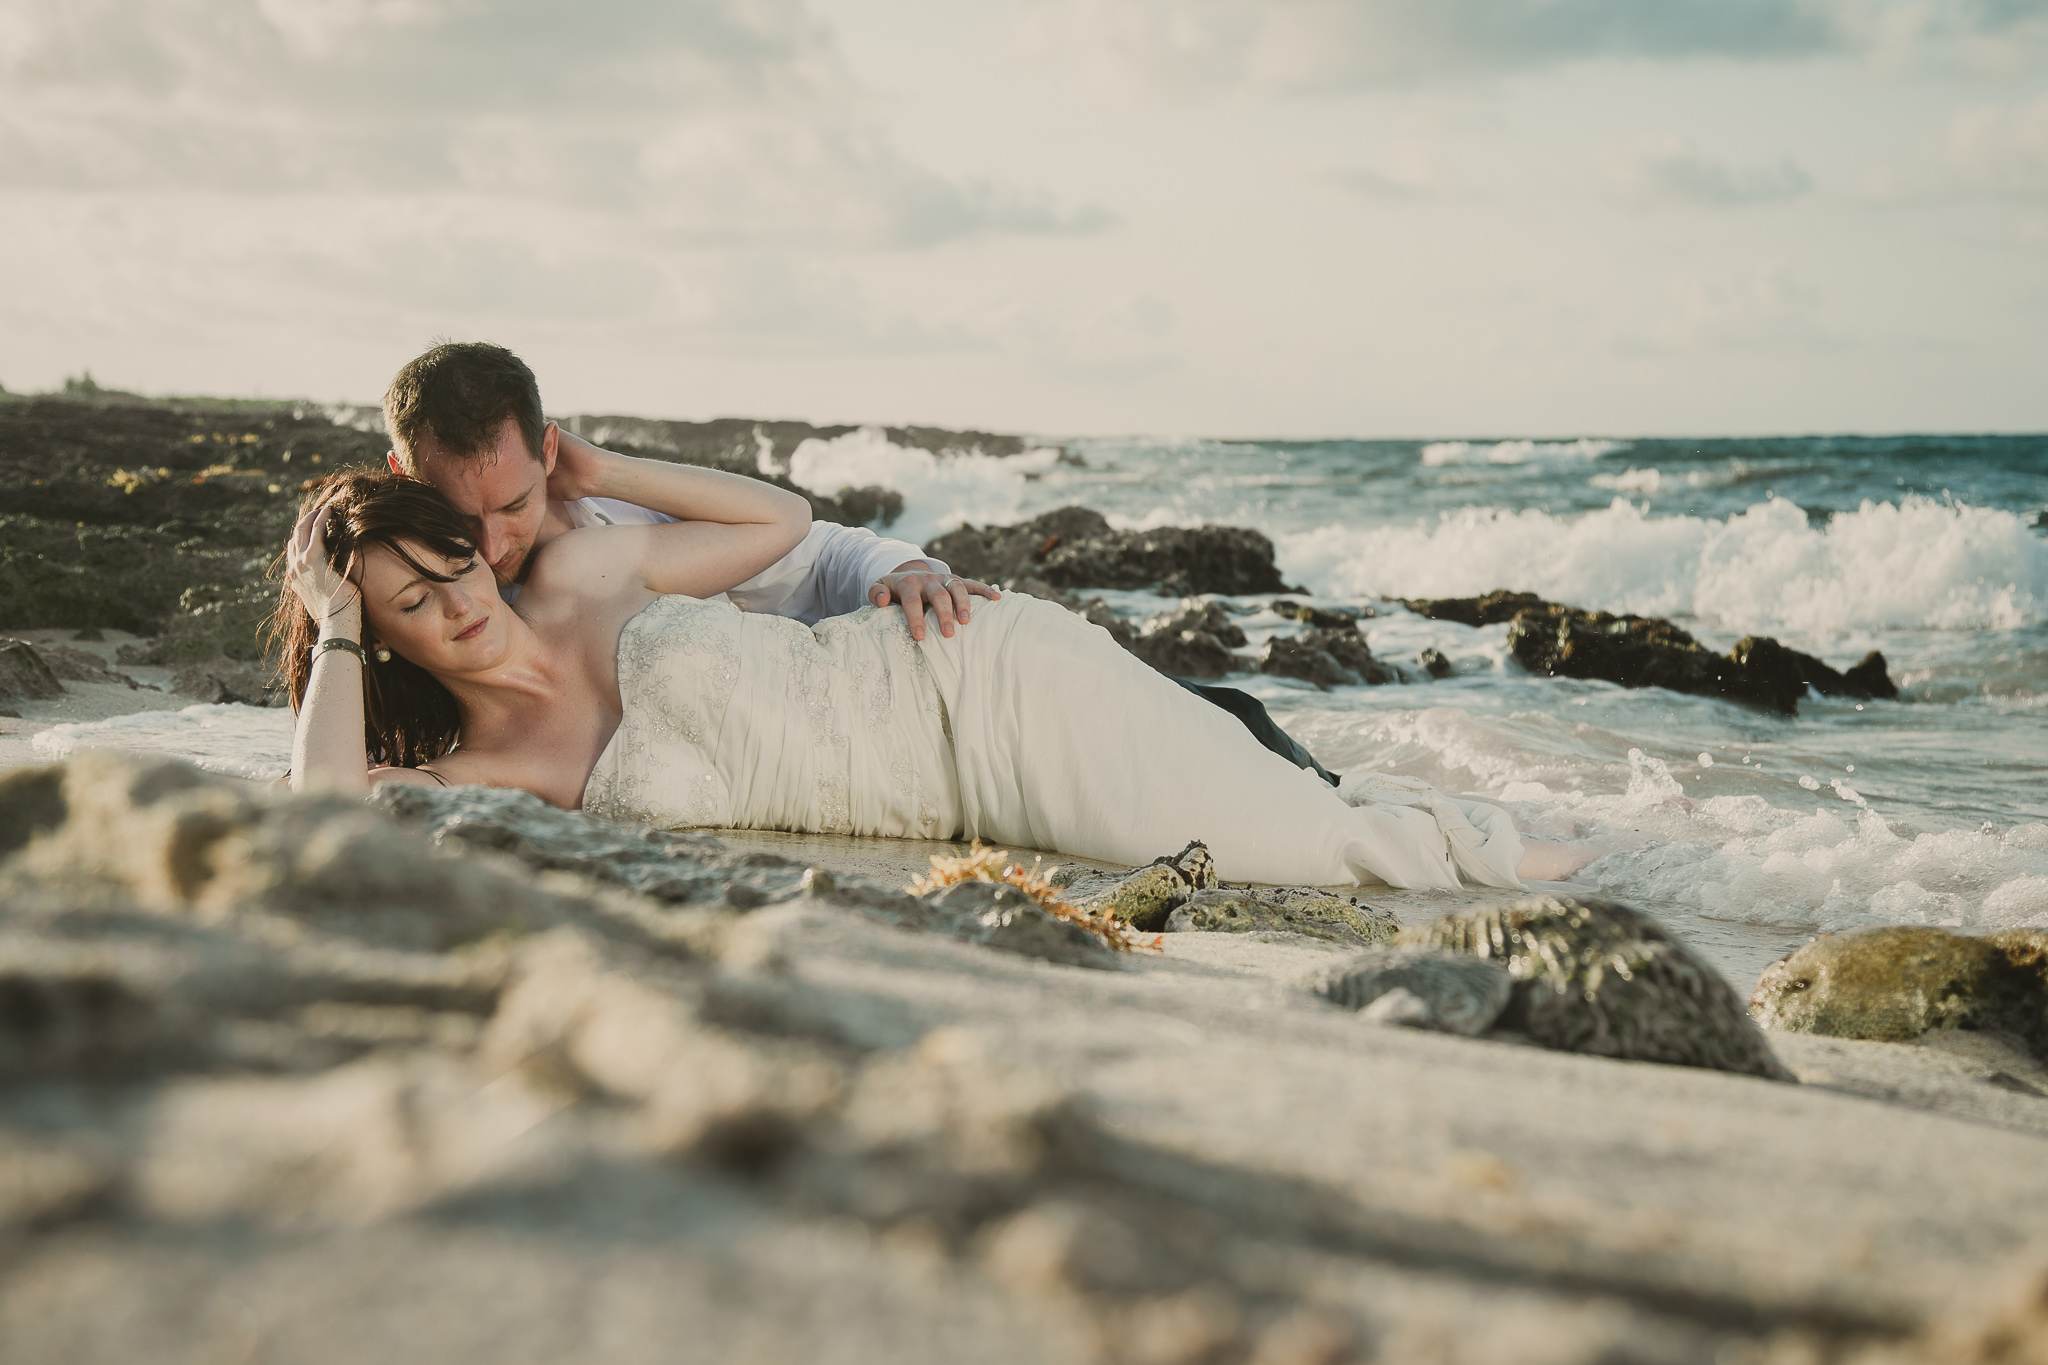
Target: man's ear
pixel 391 458
pixel 550 446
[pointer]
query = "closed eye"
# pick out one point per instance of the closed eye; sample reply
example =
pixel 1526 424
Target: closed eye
pixel 416 605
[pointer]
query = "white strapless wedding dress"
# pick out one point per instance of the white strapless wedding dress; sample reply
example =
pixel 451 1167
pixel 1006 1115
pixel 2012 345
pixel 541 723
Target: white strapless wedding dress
pixel 1029 728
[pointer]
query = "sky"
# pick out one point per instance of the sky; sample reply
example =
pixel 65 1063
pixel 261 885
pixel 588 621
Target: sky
pixel 1065 217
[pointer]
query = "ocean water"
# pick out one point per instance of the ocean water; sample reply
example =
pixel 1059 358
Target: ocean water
pixel 1747 832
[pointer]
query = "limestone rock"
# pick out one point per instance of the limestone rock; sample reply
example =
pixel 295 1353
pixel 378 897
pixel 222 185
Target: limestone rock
pixel 1325 656
pixel 1642 651
pixel 78 665
pixel 1146 897
pixel 1292 910
pixel 998 915
pixel 24 675
pixel 1451 992
pixel 1894 983
pixel 1193 641
pixel 1596 976
pixel 1196 614
pixel 1322 618
pixel 1075 547
pixel 1185 654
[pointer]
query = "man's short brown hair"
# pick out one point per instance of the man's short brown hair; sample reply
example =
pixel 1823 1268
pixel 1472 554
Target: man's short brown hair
pixel 460 393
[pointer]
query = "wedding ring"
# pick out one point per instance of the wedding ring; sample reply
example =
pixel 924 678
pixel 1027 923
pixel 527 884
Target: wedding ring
pixel 951 581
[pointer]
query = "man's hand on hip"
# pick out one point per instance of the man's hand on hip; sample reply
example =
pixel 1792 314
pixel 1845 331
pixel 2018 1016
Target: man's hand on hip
pixel 916 586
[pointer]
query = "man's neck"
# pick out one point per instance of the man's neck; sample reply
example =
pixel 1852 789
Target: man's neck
pixel 553 524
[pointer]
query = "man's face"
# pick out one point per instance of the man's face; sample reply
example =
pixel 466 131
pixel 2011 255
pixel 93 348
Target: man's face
pixel 502 493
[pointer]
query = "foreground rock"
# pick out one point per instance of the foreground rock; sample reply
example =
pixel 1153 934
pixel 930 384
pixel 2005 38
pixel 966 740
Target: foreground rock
pixel 1074 547
pixel 303 1080
pixel 1594 976
pixel 1897 983
pixel 1642 651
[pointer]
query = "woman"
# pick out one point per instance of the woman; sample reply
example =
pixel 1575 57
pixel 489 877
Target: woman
pixel 613 689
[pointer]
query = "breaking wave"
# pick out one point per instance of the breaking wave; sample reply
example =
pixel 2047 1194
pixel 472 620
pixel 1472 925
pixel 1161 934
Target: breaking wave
pixel 940 491
pixel 1919 564
pixel 1517 452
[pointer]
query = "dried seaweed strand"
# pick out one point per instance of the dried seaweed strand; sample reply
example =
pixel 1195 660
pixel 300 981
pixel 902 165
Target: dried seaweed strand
pixel 982 864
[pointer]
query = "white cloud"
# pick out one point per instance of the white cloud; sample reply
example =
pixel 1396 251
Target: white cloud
pixel 1191 48
pixel 712 120
pixel 1205 46
pixel 1673 169
pixel 1989 152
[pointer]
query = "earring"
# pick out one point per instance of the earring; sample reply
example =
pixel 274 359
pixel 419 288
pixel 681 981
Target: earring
pixel 383 655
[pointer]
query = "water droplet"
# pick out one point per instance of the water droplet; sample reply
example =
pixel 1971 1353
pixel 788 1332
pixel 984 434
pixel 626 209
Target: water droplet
pixel 1850 769
pixel 1706 760
pixel 1808 781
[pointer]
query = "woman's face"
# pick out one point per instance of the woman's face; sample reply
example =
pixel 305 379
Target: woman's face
pixel 456 627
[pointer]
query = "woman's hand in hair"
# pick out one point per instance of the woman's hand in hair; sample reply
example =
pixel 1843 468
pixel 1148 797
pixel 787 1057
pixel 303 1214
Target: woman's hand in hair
pixel 324 593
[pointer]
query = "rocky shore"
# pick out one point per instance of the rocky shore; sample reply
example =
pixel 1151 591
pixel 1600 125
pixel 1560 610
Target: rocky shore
pixel 456 1076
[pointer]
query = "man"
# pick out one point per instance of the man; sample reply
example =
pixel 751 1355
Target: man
pixel 466 417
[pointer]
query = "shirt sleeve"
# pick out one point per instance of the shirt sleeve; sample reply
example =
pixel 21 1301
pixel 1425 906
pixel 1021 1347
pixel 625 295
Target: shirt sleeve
pixel 828 574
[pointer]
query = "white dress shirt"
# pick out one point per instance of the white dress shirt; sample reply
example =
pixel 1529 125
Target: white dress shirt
pixel 827 574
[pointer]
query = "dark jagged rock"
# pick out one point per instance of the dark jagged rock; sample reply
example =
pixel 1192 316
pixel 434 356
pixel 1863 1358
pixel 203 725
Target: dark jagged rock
pixel 1448 992
pixel 1207 617
pixel 1074 547
pixel 1595 976
pixel 1323 617
pixel 1434 663
pixel 1647 651
pixel 745 445
pixel 1194 641
pixel 1488 610
pixel 1893 984
pixel 1325 656
pixel 1185 654
pixel 25 674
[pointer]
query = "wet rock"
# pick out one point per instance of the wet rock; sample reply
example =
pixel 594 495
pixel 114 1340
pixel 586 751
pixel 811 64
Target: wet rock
pixel 1327 657
pixel 1596 976
pixel 1446 991
pixel 1074 547
pixel 997 915
pixel 1895 983
pixel 1640 651
pixel 1323 618
pixel 1209 618
pixel 1283 909
pixel 1434 663
pixel 1145 898
pixel 24 674
pixel 1185 654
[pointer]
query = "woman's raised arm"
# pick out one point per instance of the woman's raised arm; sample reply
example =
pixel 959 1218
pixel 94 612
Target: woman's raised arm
pixel 328 753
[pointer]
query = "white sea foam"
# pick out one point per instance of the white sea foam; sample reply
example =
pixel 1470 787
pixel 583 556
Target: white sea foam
pixel 1832 862
pixel 242 741
pixel 1517 452
pixel 1652 480
pixel 940 491
pixel 1919 564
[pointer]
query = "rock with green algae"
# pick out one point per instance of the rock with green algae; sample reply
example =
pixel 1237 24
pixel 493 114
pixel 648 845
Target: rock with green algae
pixel 1284 909
pixel 1895 983
pixel 1144 899
pixel 1598 977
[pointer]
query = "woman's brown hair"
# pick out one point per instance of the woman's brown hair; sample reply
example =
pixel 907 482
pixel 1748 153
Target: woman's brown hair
pixel 409 719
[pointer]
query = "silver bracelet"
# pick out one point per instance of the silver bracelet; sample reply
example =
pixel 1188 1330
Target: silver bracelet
pixel 342 643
